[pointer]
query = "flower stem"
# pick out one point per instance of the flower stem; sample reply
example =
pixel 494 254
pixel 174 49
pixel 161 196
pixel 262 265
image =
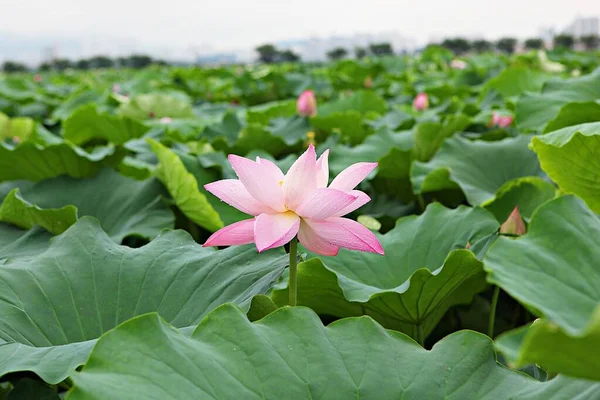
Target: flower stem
pixel 492 320
pixel 293 277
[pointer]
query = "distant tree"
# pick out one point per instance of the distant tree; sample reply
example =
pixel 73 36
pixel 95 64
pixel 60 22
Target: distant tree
pixel 82 64
pixel 45 66
pixel 481 45
pixel 138 61
pixel 381 49
pixel 60 64
pixel 564 41
pixel 457 45
pixel 267 53
pixel 12 66
pixel 360 52
pixel 101 62
pixel 506 45
pixel 590 42
pixel 288 56
pixel 121 61
pixel 337 53
pixel 534 44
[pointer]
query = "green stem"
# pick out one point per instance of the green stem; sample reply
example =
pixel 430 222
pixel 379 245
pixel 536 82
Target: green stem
pixel 493 312
pixel 293 277
pixel 420 336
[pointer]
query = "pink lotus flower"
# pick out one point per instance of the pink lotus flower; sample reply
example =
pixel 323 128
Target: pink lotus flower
pixel 166 120
pixel 37 78
pixel 501 121
pixel 116 88
pixel 421 102
pixel 514 225
pixel 458 64
pixel 307 104
pixel 298 203
pixel 368 82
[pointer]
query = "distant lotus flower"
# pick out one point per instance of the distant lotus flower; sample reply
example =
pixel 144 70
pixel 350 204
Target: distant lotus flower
pixel 298 203
pixel 116 88
pixel 458 64
pixel 514 225
pixel 307 104
pixel 37 78
pixel 421 102
pixel 501 121
pixel 16 139
pixel 368 82
pixel 166 120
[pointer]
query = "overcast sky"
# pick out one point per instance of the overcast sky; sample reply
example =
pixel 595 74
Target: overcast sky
pixel 227 24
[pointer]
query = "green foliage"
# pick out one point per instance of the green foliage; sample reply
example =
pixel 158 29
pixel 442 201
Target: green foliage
pixel 534 44
pixel 564 41
pixel 106 291
pixel 457 45
pixel 506 45
pixel 337 53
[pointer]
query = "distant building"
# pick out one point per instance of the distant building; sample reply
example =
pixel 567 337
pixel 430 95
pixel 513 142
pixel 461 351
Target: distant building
pixel 584 27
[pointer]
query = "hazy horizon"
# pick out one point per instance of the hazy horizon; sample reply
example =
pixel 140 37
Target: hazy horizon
pixel 173 28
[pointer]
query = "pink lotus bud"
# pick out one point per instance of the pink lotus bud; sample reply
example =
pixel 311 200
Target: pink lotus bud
pixel 421 102
pixel 368 82
pixel 299 203
pixel 458 64
pixel 501 121
pixel 514 225
pixel 166 120
pixel 307 104
pixel 116 88
pixel 16 139
pixel 37 78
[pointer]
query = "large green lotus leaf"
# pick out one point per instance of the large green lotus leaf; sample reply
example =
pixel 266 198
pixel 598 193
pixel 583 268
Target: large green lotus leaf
pixel 124 206
pixel 18 211
pixel 575 114
pixel 264 113
pixel 426 270
pixel 204 175
pixel 517 80
pixel 479 168
pixel 570 157
pixel 35 163
pixel 258 137
pixel 86 123
pixel 156 105
pixel 578 356
pixel 554 270
pixel 183 187
pixel 292 130
pixel 228 129
pixel 535 111
pixel 384 144
pixel 21 128
pixel 528 193
pixel 350 125
pixel 85 284
pixel 362 101
pixel 77 100
pixel 19 243
pixel 18 89
pixel 289 354
pixel 428 136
